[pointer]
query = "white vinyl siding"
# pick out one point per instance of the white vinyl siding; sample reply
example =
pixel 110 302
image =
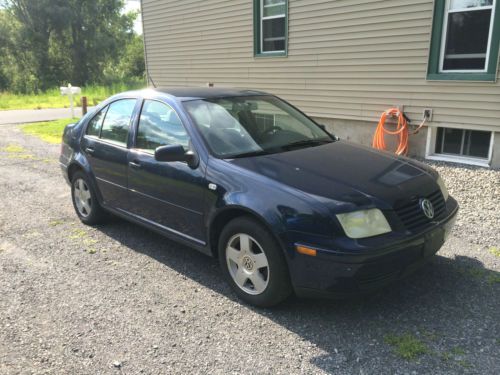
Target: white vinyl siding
pixel 346 60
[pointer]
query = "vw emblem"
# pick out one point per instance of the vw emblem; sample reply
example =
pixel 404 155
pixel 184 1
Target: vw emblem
pixel 247 263
pixel 427 208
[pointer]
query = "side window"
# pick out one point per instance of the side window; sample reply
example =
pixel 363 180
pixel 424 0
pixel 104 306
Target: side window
pixel 94 126
pixel 117 121
pixel 159 125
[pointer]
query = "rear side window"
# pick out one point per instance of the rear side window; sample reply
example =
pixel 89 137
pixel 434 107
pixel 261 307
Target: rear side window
pixel 159 125
pixel 94 126
pixel 117 121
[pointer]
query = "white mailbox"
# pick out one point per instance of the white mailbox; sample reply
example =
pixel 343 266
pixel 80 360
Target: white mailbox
pixel 70 91
pixel 73 90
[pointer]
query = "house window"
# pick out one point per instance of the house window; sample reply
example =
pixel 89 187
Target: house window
pixel 270 27
pixel 465 40
pixel 465 143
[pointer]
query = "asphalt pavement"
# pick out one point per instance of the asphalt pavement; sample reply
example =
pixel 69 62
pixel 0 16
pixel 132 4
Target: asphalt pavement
pixel 21 116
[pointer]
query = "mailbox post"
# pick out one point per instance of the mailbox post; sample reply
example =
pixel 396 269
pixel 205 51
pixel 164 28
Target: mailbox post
pixel 70 91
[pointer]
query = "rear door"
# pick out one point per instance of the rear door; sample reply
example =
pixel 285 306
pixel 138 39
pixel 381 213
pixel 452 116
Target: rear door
pixel 168 194
pixel 105 144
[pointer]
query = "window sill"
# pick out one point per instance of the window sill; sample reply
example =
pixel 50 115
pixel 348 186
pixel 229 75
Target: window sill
pixel 459 159
pixel 271 54
pixel 482 77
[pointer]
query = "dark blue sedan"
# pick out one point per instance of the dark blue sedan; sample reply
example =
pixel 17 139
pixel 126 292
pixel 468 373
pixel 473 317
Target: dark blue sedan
pixel 248 178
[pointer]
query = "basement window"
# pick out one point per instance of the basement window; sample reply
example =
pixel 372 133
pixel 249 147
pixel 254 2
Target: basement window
pixel 270 27
pixel 461 145
pixel 465 40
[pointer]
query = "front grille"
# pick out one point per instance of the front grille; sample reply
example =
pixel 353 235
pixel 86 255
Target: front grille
pixel 413 217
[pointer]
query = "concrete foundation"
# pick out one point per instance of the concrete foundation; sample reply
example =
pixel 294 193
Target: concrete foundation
pixel 362 132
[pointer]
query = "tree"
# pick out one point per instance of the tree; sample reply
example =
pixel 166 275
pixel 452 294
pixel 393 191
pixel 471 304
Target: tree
pixel 58 41
pixel 132 64
pixel 36 20
pixel 97 33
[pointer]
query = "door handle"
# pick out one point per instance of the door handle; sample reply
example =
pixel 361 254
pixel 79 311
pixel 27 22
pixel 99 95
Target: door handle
pixel 135 164
pixel 89 150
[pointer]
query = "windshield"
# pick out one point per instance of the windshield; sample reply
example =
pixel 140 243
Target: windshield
pixel 253 125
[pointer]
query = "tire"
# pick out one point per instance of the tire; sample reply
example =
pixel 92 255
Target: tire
pixel 85 201
pixel 253 263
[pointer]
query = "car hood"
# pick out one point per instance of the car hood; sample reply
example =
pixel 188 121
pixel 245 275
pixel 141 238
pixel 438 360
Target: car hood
pixel 345 172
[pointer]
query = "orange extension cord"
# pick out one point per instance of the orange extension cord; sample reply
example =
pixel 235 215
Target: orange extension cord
pixel 402 131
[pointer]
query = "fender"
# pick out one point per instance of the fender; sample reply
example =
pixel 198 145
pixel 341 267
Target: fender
pixel 80 161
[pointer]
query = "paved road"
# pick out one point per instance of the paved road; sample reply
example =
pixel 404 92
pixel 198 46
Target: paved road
pixel 119 299
pixel 36 115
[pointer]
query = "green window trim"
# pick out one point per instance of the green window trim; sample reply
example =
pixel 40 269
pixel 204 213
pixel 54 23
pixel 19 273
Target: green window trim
pixel 433 71
pixel 257 32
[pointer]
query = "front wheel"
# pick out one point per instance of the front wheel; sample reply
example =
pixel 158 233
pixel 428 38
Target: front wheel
pixel 253 263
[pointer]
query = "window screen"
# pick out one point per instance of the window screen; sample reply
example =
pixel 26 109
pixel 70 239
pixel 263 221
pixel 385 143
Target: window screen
pixel 467 34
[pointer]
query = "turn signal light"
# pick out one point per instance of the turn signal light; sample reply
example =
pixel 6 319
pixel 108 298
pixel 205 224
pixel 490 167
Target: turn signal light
pixel 306 251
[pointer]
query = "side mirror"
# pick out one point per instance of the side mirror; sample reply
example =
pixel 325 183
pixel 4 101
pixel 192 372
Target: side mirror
pixel 171 153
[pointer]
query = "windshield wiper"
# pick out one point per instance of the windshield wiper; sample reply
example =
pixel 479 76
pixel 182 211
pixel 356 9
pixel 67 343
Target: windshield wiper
pixel 248 154
pixel 306 143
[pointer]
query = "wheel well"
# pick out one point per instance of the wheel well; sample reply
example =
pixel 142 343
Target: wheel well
pixel 225 217
pixel 73 168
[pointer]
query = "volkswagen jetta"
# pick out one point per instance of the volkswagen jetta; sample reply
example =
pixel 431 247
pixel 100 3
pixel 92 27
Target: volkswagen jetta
pixel 246 177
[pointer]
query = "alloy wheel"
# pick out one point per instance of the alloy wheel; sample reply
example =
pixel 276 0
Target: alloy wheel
pixel 247 264
pixel 83 199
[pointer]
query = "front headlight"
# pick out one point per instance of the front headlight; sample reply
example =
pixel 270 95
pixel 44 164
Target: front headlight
pixel 364 223
pixel 442 186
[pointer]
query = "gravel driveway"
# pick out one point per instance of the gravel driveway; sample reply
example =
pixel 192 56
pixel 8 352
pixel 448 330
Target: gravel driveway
pixel 121 299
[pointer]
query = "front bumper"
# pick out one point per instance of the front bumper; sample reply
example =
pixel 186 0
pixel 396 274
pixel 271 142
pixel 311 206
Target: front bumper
pixel 334 274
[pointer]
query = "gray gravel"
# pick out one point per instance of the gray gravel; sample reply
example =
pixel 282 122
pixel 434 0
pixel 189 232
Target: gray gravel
pixel 120 299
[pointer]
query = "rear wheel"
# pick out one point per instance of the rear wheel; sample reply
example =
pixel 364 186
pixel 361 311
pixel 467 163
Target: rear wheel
pixel 85 201
pixel 253 263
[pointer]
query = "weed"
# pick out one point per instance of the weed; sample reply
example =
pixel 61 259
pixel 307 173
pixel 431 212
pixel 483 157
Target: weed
pixel 406 346
pixel 54 223
pixel 464 363
pixel 446 356
pixel 22 156
pixel 78 233
pixel 13 149
pixel 430 335
pixel 493 278
pixel 457 351
pixel 495 251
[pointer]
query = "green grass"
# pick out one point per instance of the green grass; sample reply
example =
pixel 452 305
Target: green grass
pixel 50 131
pixel 53 98
pixel 406 346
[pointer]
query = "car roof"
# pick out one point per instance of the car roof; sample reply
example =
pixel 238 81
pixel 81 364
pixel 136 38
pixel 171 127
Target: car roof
pixel 190 93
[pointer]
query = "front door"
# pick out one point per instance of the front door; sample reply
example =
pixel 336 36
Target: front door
pixel 168 194
pixel 105 144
